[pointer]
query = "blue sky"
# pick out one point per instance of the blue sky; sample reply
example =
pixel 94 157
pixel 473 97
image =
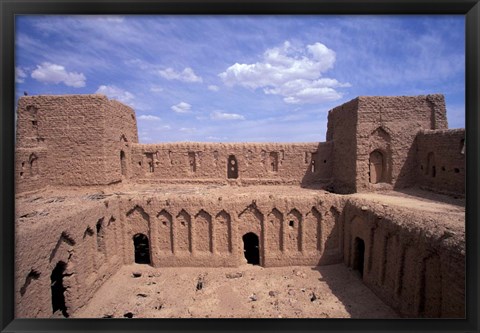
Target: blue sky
pixel 241 78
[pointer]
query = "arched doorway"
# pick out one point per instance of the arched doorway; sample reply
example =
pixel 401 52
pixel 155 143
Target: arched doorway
pixel 359 255
pixel 376 167
pixel 251 248
pixel 142 249
pixel 58 290
pixel 232 167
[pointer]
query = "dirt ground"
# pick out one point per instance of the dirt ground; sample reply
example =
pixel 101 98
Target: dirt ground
pixel 141 291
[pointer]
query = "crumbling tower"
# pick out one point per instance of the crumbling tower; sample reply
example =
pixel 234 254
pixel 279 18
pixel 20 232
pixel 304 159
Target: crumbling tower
pixel 72 140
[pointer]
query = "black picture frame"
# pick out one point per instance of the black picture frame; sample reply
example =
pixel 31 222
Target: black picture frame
pixel 10 8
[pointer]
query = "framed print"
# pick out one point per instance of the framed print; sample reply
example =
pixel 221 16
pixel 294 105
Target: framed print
pixel 291 166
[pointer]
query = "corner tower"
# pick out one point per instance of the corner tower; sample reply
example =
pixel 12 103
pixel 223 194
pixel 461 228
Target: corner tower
pixel 374 140
pixel 72 140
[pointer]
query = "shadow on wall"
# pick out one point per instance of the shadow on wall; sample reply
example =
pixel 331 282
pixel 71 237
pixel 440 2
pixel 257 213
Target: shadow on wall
pixel 330 238
pixel 318 167
pixel 407 175
pixel 348 288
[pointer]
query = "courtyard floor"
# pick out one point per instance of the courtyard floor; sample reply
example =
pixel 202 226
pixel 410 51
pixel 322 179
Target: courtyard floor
pixel 141 291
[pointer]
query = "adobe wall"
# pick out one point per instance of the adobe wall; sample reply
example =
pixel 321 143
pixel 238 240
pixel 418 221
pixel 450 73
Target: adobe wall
pixel 67 140
pixel 86 237
pixel 419 273
pixel 120 134
pixel 411 260
pixel 94 238
pixel 390 125
pixel 260 163
pixel 341 131
pixel 192 230
pixel 441 161
pixel 387 125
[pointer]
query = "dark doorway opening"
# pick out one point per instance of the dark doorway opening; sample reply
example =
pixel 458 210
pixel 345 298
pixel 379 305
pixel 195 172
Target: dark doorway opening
pixel 232 167
pixel 142 249
pixel 251 248
pixel 359 256
pixel 58 290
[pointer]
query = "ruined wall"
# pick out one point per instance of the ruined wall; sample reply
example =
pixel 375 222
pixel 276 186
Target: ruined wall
pixel 241 163
pixel 441 161
pixel 95 237
pixel 341 130
pixel 70 140
pixel 85 240
pixel 389 125
pixel 200 231
pixel 120 134
pixel 418 273
pixel 373 140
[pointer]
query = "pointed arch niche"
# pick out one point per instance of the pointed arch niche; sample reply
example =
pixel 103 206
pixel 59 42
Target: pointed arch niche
pixel 379 157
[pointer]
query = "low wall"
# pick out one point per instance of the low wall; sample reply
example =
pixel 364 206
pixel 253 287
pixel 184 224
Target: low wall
pixel 85 240
pixel 441 161
pixel 269 163
pixel 193 230
pixel 418 273
pixel 409 259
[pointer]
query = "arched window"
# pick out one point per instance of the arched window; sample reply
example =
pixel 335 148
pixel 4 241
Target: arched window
pixel 431 168
pixel 232 167
pixel 123 163
pixel 33 161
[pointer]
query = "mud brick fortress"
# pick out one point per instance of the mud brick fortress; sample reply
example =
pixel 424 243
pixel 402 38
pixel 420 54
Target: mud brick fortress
pixel 91 199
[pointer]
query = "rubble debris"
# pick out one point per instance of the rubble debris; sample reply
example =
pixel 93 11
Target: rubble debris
pixel 234 275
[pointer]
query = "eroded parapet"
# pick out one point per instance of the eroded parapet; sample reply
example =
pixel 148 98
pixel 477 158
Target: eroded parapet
pixel 441 161
pixel 72 140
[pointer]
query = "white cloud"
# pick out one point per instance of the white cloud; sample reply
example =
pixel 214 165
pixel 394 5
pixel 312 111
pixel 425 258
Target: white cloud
pixel 53 73
pixel 156 89
pixel 20 75
pixel 187 129
pixel 187 75
pixel 148 117
pixel 116 93
pixel 295 74
pixel 181 107
pixel 217 115
pixel 213 87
